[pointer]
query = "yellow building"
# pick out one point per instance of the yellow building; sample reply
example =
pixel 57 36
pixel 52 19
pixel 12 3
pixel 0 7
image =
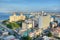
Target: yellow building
pixel 16 18
pixel 30 25
pixel 44 21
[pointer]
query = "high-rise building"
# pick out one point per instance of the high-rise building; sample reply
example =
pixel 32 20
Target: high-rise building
pixel 44 21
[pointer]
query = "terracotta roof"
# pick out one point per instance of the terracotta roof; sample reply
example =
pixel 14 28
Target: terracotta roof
pixel 56 30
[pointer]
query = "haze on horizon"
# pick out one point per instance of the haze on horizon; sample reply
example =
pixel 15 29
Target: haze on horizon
pixel 29 5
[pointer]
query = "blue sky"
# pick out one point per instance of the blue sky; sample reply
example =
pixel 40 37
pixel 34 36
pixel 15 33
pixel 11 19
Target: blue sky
pixel 29 5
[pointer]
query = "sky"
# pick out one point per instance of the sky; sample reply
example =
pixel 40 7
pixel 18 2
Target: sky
pixel 29 5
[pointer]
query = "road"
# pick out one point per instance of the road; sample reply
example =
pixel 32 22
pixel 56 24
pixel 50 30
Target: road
pixel 9 30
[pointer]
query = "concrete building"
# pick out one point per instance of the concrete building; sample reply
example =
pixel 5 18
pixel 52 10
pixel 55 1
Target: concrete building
pixel 44 21
pixel 28 24
pixel 10 37
pixel 24 25
pixel 16 18
pixel 56 32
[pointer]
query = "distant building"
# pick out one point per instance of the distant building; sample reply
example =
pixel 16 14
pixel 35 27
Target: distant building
pixel 16 18
pixel 56 32
pixel 58 19
pixel 54 24
pixel 44 21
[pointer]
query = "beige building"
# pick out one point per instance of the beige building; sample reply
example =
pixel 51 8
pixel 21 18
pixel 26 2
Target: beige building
pixel 24 25
pixel 16 18
pixel 44 21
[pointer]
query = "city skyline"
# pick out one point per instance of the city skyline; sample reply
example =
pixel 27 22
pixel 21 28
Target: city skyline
pixel 29 20
pixel 29 5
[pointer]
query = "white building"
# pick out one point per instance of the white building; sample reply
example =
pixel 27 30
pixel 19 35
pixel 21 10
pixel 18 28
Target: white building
pixel 11 37
pixel 28 24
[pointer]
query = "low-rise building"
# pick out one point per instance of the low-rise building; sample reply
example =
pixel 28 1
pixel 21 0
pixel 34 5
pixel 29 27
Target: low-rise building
pixel 10 37
pixel 28 24
pixel 56 32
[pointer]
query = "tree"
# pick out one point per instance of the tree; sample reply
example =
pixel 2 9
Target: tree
pixel 13 25
pixel 49 34
pixel 19 23
pixel 9 26
pixel 26 38
pixel 4 22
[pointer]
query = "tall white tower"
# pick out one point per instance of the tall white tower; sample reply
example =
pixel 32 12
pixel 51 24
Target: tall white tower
pixel 40 21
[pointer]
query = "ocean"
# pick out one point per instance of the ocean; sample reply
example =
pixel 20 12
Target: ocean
pixel 5 16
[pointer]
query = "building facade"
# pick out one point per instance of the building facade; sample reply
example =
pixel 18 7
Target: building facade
pixel 44 21
pixel 16 18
